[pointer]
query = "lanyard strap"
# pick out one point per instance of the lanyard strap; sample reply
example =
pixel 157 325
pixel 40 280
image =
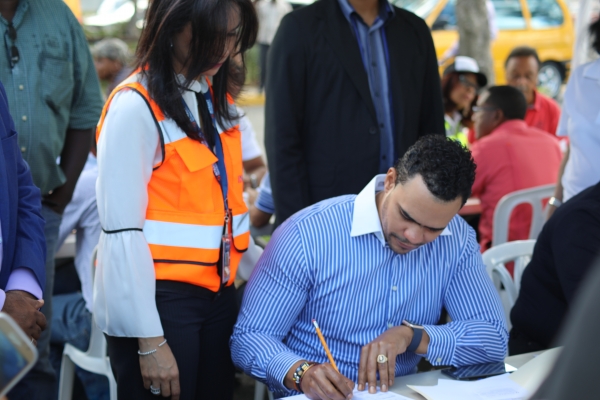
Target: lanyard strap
pixel 219 169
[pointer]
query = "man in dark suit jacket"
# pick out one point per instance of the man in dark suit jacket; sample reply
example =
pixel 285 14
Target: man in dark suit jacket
pixel 327 129
pixel 23 251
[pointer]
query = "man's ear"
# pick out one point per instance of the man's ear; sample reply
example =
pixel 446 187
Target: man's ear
pixel 498 117
pixel 390 179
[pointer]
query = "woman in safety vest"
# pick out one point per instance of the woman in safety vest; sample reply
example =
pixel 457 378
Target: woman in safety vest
pixel 170 202
pixel 460 84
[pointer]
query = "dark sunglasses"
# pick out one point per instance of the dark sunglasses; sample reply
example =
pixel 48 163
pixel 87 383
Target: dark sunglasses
pixel 14 55
pixel 467 83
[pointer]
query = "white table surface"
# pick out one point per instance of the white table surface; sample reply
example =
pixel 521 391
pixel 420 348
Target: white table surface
pixel 431 378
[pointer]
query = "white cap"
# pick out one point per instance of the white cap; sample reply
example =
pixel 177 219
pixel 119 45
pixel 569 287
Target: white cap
pixel 465 64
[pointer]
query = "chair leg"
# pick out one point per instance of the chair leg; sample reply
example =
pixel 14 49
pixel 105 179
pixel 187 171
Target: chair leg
pixel 112 383
pixel 67 376
pixel 259 390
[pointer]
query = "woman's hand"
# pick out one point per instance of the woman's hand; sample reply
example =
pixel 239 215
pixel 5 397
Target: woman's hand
pixel 159 369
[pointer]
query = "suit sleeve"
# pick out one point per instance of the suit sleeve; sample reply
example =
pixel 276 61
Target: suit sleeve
pixel 284 112
pixel 432 110
pixel 30 245
pixel 575 248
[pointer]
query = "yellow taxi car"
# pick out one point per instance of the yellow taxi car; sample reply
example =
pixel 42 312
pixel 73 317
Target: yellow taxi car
pixel 75 6
pixel 545 25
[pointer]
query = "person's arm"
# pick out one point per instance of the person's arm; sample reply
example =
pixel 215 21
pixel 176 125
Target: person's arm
pixel 478 332
pixel 252 158
pixel 84 114
pixel 575 245
pixel 125 284
pixel 28 275
pixel 274 298
pixel 264 207
pixel 284 118
pixel 432 110
pixel 254 171
pixel 558 190
pixel 72 159
pixel 480 175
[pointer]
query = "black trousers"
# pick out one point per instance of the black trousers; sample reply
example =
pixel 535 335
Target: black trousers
pixel 197 326
pixel 264 51
pixel 520 343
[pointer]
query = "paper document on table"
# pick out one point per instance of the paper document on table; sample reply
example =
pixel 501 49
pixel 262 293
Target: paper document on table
pixel 364 395
pixel 532 374
pixel 495 388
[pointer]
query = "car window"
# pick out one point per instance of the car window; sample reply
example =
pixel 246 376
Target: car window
pixel 420 7
pixel 447 18
pixel 509 14
pixel 545 13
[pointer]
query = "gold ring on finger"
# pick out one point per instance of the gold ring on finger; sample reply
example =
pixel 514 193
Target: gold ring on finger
pixel 382 359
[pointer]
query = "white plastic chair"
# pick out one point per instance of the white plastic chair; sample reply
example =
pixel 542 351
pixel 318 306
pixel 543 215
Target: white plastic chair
pixel 259 391
pixel 94 359
pixel 534 196
pixel 520 252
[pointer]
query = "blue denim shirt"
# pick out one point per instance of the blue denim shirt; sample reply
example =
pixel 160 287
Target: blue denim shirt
pixel 53 87
pixel 373 53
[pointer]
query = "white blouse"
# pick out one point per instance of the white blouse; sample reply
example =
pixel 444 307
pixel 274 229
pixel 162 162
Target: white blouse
pixel 580 121
pixel 129 147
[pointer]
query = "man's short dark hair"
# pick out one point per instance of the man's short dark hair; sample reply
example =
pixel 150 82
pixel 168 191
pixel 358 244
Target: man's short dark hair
pixel 508 99
pixel 595 34
pixel 445 165
pixel 523 51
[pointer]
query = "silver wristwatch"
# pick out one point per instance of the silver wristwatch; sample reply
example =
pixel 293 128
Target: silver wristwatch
pixel 554 202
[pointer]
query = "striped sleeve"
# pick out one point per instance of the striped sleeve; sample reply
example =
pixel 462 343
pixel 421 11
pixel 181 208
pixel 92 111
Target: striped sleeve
pixel 477 333
pixel 274 297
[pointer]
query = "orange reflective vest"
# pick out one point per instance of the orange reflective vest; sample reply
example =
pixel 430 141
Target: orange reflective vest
pixel 186 214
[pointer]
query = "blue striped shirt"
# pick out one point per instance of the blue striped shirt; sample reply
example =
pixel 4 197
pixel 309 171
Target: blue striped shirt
pixel 330 262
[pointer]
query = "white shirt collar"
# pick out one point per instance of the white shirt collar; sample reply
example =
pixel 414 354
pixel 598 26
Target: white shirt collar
pixel 200 86
pixel 365 219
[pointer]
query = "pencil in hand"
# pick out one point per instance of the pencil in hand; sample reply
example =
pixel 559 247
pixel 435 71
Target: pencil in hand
pixel 322 339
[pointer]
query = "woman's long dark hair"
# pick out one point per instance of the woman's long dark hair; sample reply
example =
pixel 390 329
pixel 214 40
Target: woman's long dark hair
pixel 449 82
pixel 209 22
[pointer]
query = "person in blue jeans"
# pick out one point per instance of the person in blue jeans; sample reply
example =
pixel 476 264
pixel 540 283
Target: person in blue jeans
pixel 72 318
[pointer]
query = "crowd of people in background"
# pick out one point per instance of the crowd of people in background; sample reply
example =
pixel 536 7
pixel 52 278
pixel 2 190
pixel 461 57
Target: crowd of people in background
pixel 371 155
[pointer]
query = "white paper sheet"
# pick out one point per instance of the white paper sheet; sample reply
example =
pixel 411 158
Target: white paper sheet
pixel 364 395
pixel 495 388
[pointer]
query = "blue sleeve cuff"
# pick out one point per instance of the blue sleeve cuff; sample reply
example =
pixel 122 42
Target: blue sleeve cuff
pixel 442 345
pixel 2 299
pixel 278 369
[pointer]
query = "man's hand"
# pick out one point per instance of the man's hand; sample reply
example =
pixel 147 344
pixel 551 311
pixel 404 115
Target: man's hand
pixel 323 382
pixel 390 343
pixel 24 309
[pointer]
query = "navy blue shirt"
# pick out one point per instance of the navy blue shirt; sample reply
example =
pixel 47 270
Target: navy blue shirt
pixel 374 56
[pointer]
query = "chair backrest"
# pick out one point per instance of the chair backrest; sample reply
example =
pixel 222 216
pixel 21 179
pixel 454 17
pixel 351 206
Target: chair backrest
pixel 508 287
pixel 97 347
pixel 534 196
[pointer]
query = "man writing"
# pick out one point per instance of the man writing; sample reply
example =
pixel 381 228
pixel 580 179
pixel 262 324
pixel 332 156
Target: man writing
pixel 22 244
pixel 374 270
